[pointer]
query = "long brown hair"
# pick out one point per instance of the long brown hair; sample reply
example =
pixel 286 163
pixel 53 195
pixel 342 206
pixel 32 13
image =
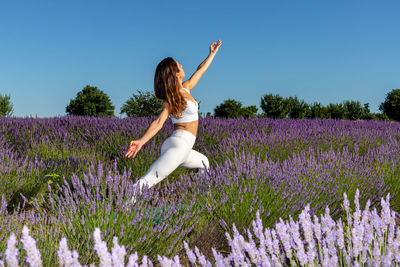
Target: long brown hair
pixel 166 86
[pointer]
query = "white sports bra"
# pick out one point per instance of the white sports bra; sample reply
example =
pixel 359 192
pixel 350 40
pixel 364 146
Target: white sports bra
pixel 190 113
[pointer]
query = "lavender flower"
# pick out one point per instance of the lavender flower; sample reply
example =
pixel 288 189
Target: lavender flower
pixel 11 251
pixel 101 248
pixel 189 253
pixel 285 237
pixel 64 254
pixel 118 253
pixel 33 254
pixel 132 260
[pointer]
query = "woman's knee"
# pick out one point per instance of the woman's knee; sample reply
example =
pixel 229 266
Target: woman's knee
pixel 205 165
pixel 205 162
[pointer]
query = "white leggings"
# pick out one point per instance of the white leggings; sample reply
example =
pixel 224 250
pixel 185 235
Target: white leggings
pixel 175 151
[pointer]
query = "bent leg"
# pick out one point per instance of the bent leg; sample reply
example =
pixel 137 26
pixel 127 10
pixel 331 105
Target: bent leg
pixel 195 160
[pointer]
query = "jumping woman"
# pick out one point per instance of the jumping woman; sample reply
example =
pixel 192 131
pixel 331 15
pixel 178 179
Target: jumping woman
pixel 181 107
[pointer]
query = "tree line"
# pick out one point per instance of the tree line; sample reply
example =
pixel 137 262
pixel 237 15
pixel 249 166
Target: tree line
pixel 91 101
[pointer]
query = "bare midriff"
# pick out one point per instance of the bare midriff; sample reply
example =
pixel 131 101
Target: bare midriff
pixel 188 126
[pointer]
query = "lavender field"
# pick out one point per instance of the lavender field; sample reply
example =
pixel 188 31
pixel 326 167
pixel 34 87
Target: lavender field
pixel 67 176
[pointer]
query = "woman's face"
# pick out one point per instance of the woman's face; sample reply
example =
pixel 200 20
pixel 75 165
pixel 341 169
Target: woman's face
pixel 181 74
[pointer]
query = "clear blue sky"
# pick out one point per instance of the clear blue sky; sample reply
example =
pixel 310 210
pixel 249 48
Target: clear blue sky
pixel 325 51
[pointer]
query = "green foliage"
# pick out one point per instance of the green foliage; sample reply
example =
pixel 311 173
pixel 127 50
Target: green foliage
pixel 142 104
pixel 368 116
pixel 231 108
pixel 353 110
pixel 335 111
pixel 6 107
pixel 239 202
pixel 250 111
pixel 274 106
pixel 317 110
pixel 391 106
pixel 91 102
pixel 381 116
pixel 296 109
pixel 366 108
pixel 41 196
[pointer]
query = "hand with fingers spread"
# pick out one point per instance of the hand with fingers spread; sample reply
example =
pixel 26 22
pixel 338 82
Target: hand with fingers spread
pixel 134 148
pixel 214 47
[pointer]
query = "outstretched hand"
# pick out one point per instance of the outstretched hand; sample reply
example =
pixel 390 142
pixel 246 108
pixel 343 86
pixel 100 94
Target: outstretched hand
pixel 134 148
pixel 214 47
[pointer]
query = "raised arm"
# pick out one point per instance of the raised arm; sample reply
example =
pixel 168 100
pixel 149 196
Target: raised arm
pixel 189 84
pixel 154 127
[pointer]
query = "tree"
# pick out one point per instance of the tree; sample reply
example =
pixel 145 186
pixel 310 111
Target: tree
pixel 142 104
pixel 335 111
pixel 381 116
pixel 391 106
pixel 6 107
pixel 231 108
pixel 353 110
pixel 274 106
pixel 366 108
pixel 250 111
pixel 296 109
pixel 91 102
pixel 367 115
pixel 317 110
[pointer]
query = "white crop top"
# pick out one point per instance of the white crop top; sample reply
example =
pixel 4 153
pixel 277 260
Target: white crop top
pixel 190 113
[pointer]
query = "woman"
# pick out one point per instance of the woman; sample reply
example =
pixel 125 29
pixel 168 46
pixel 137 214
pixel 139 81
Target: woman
pixel 181 107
